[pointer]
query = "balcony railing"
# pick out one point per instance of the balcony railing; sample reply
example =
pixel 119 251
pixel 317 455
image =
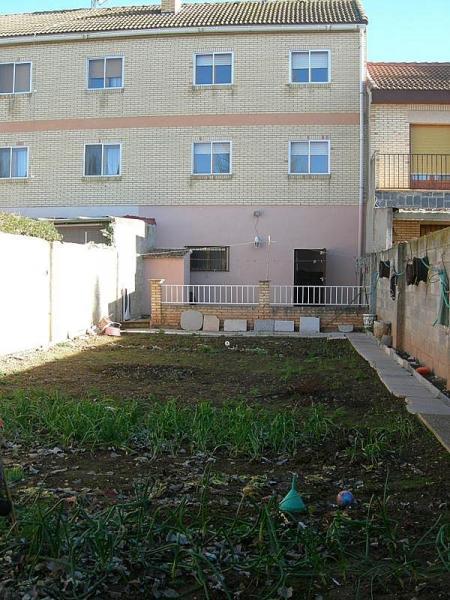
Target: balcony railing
pixel 209 294
pixel 280 295
pixel 413 171
pixel 322 295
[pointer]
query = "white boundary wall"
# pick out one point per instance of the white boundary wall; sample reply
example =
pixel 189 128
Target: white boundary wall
pixel 50 292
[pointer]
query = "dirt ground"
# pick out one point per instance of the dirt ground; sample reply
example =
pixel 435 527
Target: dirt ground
pixel 270 372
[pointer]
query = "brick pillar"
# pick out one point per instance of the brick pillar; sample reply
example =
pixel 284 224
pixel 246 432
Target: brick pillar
pixel 156 302
pixel 264 307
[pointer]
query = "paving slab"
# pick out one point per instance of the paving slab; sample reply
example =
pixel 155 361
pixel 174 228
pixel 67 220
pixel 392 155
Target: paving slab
pixel 191 320
pixel 427 402
pixel 439 426
pixel 235 325
pixel 284 326
pixel 264 325
pixel 211 323
pixel 309 324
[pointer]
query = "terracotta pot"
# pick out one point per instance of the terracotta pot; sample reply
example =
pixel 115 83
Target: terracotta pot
pixel 423 371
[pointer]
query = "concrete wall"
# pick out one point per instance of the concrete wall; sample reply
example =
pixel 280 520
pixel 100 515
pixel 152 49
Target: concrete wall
pixel 51 292
pixel 132 237
pixel 415 308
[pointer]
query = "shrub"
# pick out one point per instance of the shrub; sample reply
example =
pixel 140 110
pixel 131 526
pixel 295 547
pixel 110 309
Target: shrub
pixel 24 226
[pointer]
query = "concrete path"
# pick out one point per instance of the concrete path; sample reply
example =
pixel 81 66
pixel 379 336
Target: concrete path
pixel 431 406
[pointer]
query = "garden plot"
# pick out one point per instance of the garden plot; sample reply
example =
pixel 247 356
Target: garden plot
pixel 152 467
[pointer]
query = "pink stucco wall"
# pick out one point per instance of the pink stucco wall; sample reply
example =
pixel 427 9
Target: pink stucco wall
pixel 173 270
pixel 332 227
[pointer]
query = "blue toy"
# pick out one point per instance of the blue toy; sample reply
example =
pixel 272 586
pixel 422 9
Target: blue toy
pixel 345 499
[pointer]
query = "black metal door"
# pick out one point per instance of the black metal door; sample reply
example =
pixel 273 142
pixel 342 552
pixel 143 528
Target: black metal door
pixel 309 270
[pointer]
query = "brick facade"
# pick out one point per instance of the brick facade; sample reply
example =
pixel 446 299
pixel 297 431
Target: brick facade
pixel 405 230
pixel 156 159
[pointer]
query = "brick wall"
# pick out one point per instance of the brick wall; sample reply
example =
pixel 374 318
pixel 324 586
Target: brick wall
pixel 156 163
pixel 390 123
pixel 405 230
pixel 329 317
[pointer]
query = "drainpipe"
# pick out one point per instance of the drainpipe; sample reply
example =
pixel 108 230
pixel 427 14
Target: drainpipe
pixel 362 43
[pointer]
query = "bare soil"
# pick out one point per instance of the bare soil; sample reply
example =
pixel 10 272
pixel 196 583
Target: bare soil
pixel 272 372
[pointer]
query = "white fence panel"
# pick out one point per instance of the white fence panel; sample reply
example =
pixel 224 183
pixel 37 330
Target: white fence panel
pixel 209 294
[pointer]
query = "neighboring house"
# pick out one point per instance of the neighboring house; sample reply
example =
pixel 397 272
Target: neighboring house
pixel 238 126
pixel 409 124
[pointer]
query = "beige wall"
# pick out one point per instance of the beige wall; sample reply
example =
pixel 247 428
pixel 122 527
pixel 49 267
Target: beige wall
pixel 158 76
pixel 157 164
pixel 390 130
pixel 157 154
pixel 389 124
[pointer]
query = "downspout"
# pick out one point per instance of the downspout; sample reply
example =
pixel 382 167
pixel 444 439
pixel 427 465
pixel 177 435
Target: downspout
pixel 362 42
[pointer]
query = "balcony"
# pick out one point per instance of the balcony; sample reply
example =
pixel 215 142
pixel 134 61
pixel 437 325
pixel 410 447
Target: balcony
pixel 412 171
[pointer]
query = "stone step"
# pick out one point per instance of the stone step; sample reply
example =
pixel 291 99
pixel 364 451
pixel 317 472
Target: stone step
pixel 136 324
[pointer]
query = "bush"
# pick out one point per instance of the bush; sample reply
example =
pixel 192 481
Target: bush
pixel 24 226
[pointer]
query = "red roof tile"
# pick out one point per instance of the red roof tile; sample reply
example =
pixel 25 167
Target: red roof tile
pixel 270 12
pixel 409 76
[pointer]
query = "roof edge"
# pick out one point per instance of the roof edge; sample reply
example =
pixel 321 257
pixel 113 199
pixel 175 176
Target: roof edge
pixel 388 96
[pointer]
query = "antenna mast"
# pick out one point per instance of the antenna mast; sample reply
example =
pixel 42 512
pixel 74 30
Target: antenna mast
pixel 96 3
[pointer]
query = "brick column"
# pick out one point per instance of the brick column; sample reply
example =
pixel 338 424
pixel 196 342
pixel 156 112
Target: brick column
pixel 264 308
pixel 156 302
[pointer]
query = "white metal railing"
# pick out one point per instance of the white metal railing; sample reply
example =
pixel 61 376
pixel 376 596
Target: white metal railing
pixel 324 295
pixel 209 294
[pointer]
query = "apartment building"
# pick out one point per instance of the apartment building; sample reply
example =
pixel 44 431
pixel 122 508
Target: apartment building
pixel 409 151
pixel 236 126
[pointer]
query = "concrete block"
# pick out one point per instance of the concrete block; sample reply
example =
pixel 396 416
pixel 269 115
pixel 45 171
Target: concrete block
pixel 191 320
pixel 309 325
pixel 211 323
pixel 381 328
pixel 235 325
pixel 284 326
pixel 264 325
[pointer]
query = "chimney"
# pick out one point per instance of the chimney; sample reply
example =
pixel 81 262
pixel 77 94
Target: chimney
pixel 170 6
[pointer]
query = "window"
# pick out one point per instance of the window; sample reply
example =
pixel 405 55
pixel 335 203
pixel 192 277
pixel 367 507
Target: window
pixel 215 68
pixel 102 160
pixel 212 158
pixel 15 78
pixel 13 163
pixel 210 258
pixel 311 66
pixel 105 73
pixel 309 157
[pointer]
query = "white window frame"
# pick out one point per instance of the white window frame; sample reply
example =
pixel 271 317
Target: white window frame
pixel 309 142
pixel 19 62
pixel 308 50
pixel 206 52
pixel 102 144
pixel 11 148
pixel 211 174
pixel 104 59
